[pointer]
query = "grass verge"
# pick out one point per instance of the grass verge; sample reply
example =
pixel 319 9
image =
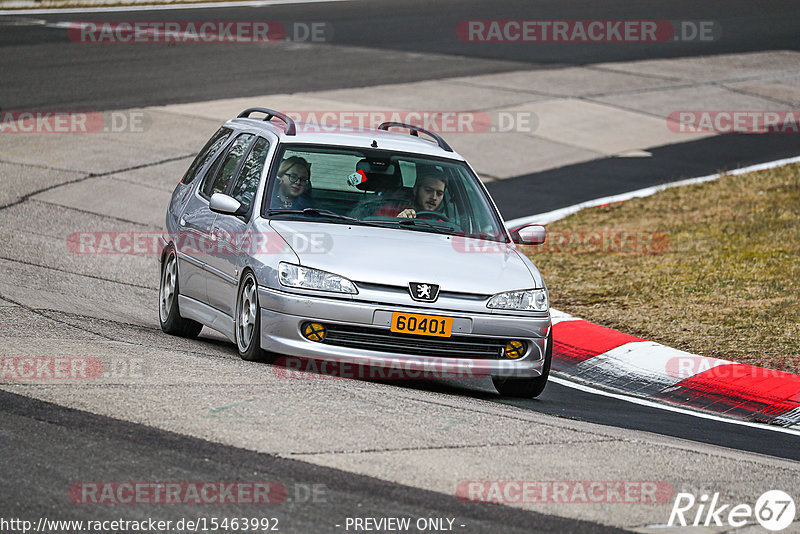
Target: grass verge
pixel 716 270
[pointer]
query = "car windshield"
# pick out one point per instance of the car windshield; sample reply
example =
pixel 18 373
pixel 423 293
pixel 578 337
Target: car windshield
pixel 380 188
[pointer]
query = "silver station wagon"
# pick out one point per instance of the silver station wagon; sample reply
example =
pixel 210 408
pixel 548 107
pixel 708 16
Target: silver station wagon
pixel 377 248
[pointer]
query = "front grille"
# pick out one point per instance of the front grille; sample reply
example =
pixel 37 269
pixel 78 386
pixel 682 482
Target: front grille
pixel 403 290
pixel 380 339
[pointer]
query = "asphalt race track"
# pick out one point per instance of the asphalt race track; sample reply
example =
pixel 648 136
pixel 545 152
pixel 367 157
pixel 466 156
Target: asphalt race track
pixel 195 412
pixel 58 438
pixel 372 43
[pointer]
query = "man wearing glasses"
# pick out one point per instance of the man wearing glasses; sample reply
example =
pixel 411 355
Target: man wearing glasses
pixel 294 185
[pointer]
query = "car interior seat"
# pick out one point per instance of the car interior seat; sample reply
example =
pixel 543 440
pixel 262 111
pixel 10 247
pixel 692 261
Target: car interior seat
pixel 384 180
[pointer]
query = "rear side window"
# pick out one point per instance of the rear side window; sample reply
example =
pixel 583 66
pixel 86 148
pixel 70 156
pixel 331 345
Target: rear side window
pixel 212 147
pixel 225 171
pixel 245 187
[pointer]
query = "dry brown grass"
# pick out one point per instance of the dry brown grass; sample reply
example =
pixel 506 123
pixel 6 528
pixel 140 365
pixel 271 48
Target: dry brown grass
pixel 727 285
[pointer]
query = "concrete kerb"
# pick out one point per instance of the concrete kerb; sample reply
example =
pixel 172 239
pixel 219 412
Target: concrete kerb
pixel 587 353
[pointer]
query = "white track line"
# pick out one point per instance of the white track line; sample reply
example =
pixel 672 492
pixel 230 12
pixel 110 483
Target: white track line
pixel 552 216
pixel 160 7
pixel 669 408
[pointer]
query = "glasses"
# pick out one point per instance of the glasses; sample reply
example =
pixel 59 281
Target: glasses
pixel 296 178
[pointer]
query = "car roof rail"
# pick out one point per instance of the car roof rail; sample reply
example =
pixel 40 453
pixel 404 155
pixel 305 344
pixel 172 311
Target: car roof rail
pixel 290 127
pixel 415 132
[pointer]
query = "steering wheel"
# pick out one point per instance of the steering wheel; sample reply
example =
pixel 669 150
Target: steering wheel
pixel 434 215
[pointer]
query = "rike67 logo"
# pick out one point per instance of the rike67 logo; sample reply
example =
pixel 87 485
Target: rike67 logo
pixel 774 510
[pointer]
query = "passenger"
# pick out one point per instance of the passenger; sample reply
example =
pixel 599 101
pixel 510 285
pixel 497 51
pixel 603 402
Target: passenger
pixel 293 190
pixel 428 194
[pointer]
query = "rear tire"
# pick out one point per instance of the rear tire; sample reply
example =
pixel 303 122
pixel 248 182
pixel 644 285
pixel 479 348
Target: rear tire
pixel 528 388
pixel 248 322
pixel 169 314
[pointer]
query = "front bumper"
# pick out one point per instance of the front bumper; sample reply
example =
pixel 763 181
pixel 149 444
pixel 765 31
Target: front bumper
pixel 284 314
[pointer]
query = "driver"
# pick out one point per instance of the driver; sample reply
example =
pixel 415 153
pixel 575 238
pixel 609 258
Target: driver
pixel 428 193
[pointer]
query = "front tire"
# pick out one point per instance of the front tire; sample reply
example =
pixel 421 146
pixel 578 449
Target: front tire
pixel 527 388
pixel 169 314
pixel 248 321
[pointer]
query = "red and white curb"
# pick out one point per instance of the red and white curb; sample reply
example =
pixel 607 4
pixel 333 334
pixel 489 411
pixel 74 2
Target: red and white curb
pixel 593 355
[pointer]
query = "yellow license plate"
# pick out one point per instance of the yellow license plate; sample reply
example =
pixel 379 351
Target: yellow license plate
pixel 422 325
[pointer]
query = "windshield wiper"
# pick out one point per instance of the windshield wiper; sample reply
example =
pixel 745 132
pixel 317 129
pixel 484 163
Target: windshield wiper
pixel 321 212
pixel 415 223
pixel 425 224
pixel 311 211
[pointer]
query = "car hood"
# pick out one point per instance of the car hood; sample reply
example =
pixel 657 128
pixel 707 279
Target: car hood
pixel 396 257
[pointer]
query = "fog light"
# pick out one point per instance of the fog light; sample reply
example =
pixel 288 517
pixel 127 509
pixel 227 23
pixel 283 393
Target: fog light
pixel 514 349
pixel 314 331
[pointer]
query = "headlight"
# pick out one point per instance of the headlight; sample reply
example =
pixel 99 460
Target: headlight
pixel 530 299
pixel 305 278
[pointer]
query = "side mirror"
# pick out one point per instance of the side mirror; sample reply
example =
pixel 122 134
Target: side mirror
pixel 224 204
pixel 531 234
